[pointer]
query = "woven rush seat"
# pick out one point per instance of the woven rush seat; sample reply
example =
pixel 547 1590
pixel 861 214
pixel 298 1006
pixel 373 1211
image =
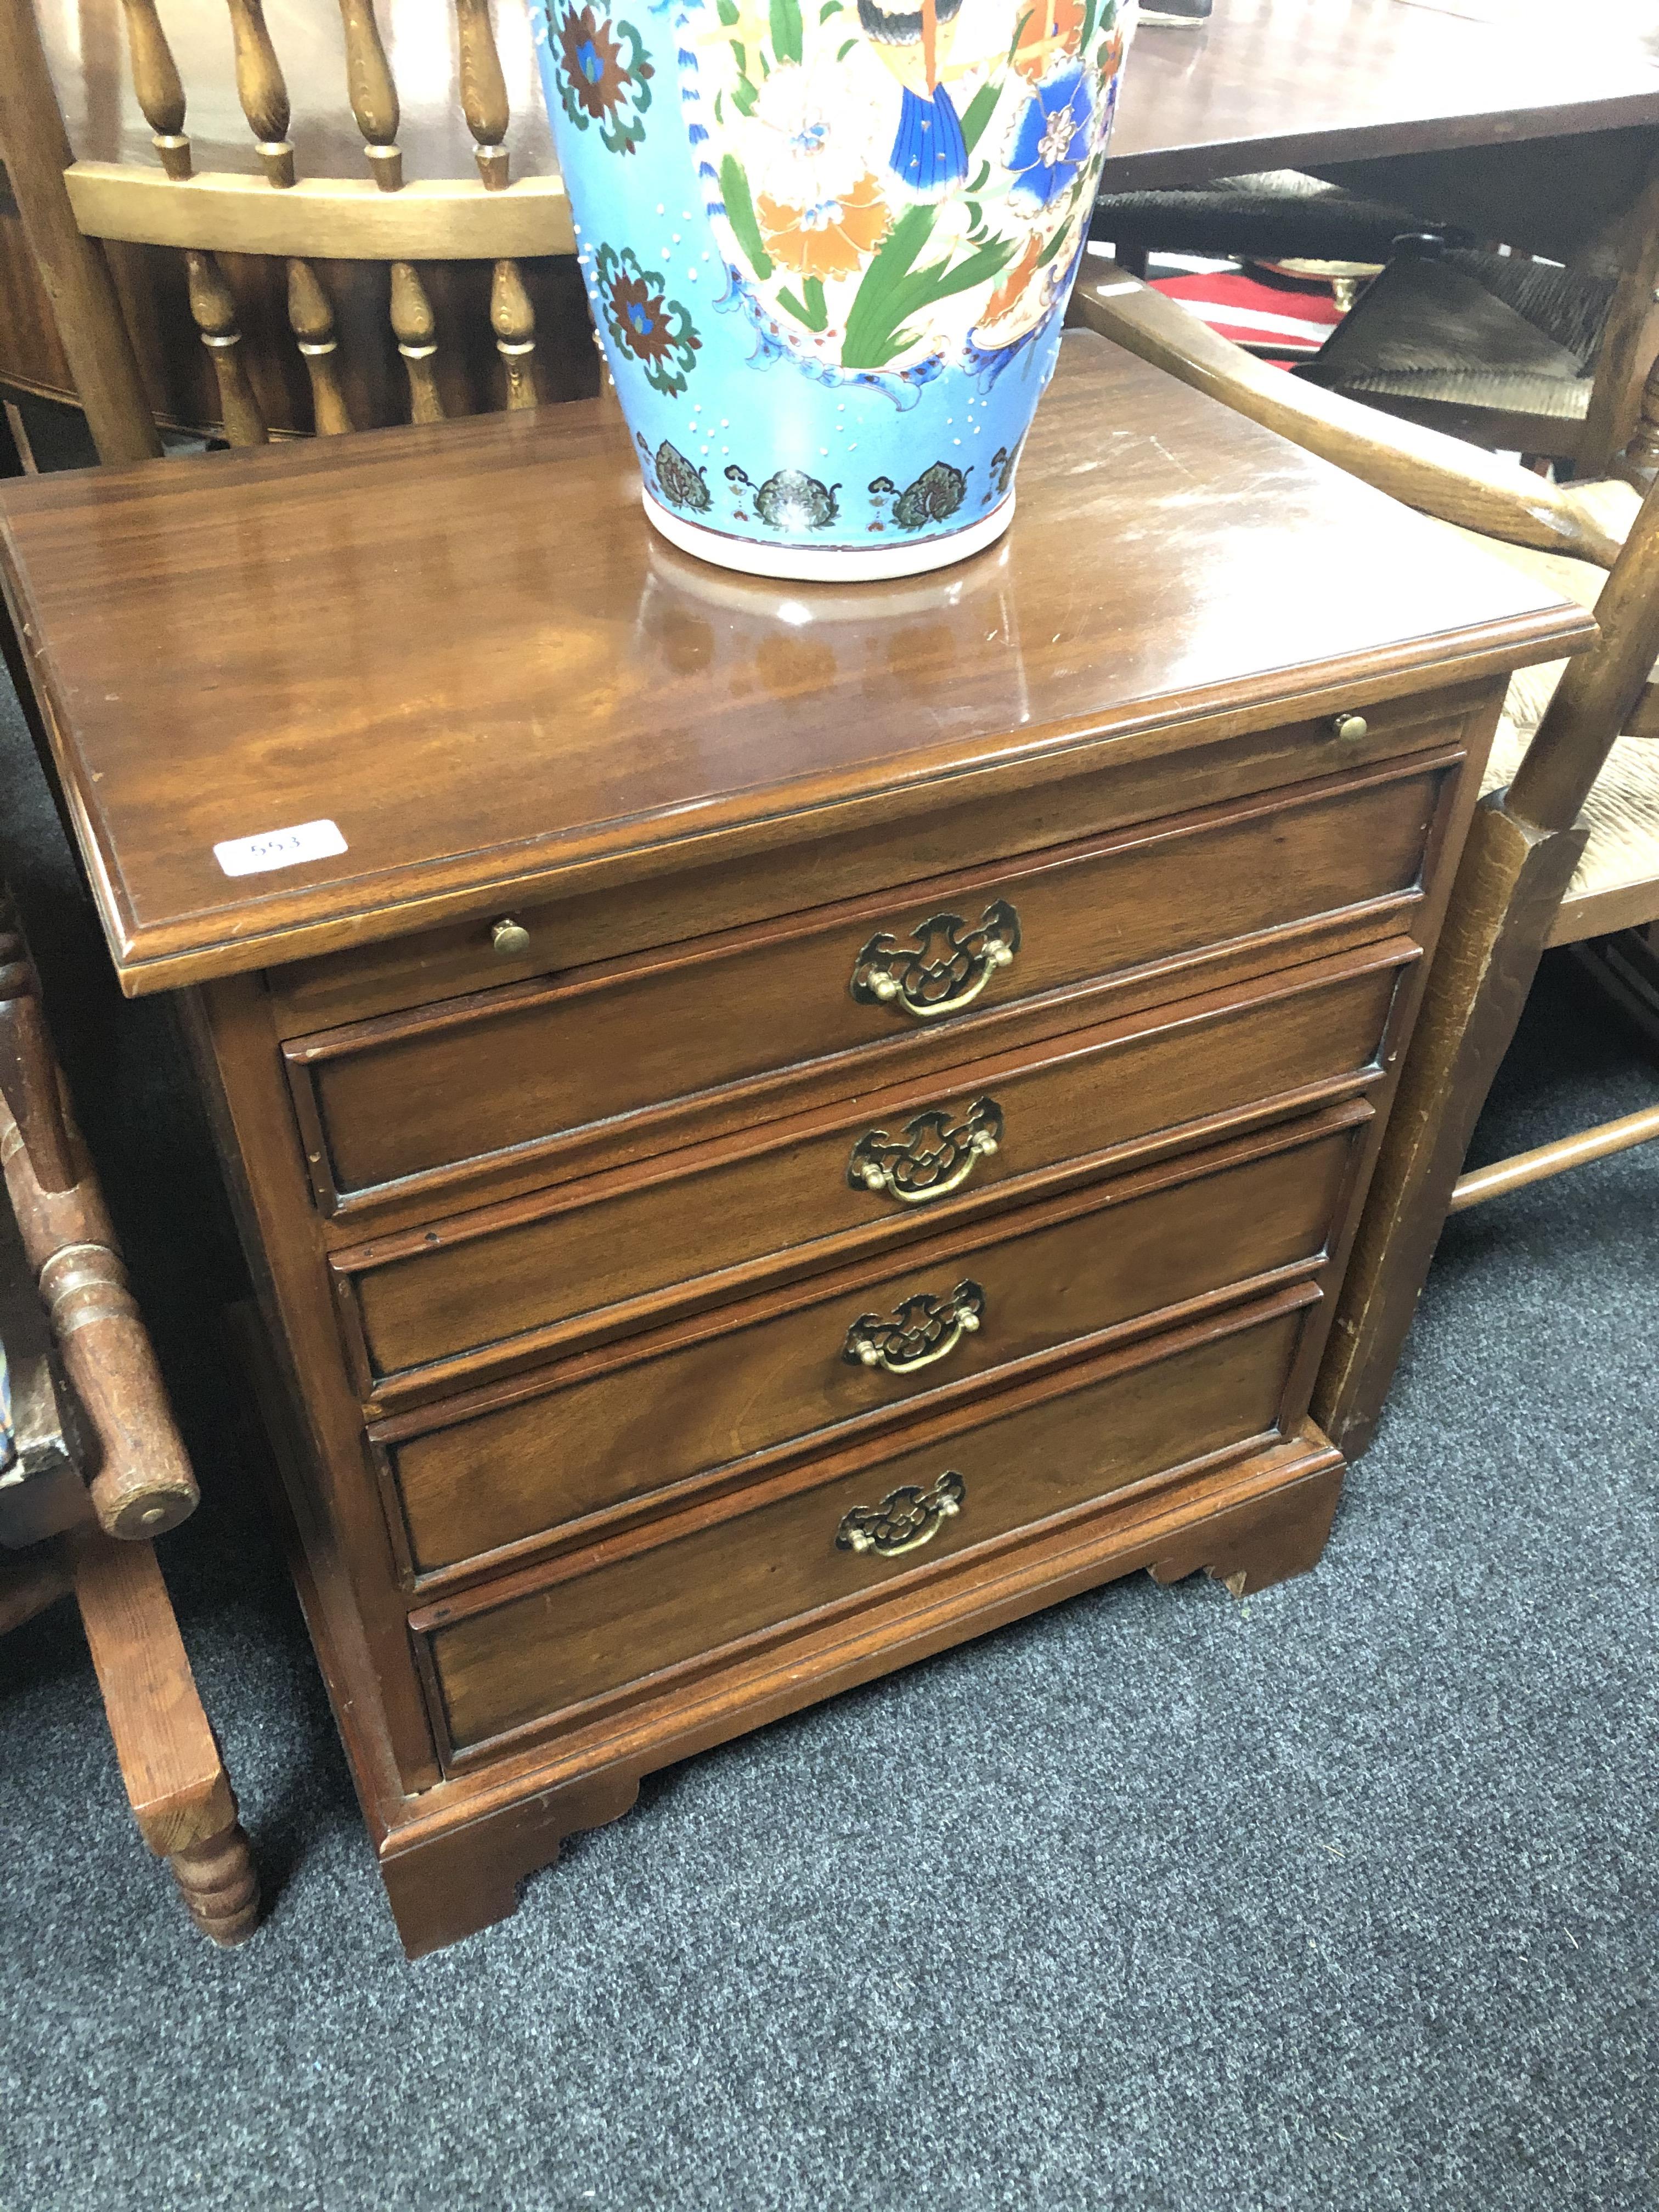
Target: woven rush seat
pixel 1475 334
pixel 1275 214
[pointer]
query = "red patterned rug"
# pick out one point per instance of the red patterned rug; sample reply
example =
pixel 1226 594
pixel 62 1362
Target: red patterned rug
pixel 1283 318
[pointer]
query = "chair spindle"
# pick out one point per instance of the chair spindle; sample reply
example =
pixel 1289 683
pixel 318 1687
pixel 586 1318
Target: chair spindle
pixel 1638 464
pixel 373 95
pixel 416 330
pixel 261 90
pixel 159 89
pixel 214 307
pixel 513 321
pixel 311 318
pixel 483 92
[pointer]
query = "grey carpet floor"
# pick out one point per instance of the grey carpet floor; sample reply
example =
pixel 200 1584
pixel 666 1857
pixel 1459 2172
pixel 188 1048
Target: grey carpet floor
pixel 1342 1897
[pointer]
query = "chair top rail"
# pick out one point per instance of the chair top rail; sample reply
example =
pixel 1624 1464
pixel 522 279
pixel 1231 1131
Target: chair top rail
pixel 323 218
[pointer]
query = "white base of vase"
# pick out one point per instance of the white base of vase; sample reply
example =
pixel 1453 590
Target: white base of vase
pixel 828 564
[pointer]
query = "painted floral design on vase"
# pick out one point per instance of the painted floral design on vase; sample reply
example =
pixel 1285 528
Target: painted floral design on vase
pixel 828 245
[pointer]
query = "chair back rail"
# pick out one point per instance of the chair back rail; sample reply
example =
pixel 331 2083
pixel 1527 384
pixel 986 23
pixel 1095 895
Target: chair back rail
pixel 218 221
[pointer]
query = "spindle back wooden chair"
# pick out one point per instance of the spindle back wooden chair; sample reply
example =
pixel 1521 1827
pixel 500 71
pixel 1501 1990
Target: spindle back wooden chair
pixel 316 225
pixel 82 1498
pixel 1563 846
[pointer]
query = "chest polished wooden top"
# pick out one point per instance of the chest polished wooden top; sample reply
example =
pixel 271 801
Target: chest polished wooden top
pixel 466 648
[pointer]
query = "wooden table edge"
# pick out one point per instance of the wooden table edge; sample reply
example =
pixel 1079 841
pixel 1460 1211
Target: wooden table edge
pixel 1163 168
pixel 354 911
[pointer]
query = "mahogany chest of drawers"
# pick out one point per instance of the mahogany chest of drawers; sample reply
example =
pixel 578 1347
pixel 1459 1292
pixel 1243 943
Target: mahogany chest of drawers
pixel 777 1128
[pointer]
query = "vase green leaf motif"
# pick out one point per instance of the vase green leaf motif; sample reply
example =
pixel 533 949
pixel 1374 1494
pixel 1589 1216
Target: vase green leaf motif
pixel 828 245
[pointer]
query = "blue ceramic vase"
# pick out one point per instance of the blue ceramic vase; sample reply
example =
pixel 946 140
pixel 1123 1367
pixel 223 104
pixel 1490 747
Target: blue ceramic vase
pixel 828 245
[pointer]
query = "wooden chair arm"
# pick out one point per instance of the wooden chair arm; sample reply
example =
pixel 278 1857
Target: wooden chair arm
pixel 1438 475
pixel 143 1484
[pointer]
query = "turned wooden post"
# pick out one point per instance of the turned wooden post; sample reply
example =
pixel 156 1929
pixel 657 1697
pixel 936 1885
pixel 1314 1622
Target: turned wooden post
pixel 513 321
pixel 262 89
pixel 28 1069
pixel 215 310
pixel 483 92
pixel 373 95
pixel 1638 464
pixel 1626 337
pixel 156 81
pixel 484 104
pixel 311 318
pixel 416 330
pixel 73 271
pixel 219 1883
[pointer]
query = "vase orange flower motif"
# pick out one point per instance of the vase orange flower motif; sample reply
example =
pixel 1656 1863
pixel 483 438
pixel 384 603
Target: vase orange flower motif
pixel 828 244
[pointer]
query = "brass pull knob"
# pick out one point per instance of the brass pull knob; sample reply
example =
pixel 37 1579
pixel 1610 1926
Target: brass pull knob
pixel 509 938
pixel 945 967
pixel 1350 726
pixel 906 1519
pixel 934 1156
pixel 922 1329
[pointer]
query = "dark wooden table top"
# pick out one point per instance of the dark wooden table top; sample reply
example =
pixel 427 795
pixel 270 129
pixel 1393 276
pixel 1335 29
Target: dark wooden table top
pixel 1266 83
pixel 466 647
pixel 1271 84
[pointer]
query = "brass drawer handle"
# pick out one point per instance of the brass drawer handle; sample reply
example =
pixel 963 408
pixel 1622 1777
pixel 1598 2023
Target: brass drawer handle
pixel 509 938
pixel 934 1156
pixel 923 1329
pixel 946 967
pixel 906 1519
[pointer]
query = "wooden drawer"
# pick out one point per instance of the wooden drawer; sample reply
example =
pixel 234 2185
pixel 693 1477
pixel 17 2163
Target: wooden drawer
pixel 612 1056
pixel 585 1259
pixel 600 1432
pixel 599 1621
pixel 900 843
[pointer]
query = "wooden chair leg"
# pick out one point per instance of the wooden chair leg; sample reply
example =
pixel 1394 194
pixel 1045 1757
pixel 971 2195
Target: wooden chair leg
pixel 175 1780
pixel 1509 885
pixel 220 1884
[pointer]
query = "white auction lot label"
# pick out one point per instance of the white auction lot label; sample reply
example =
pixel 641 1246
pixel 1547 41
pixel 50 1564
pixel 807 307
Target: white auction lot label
pixel 279 849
